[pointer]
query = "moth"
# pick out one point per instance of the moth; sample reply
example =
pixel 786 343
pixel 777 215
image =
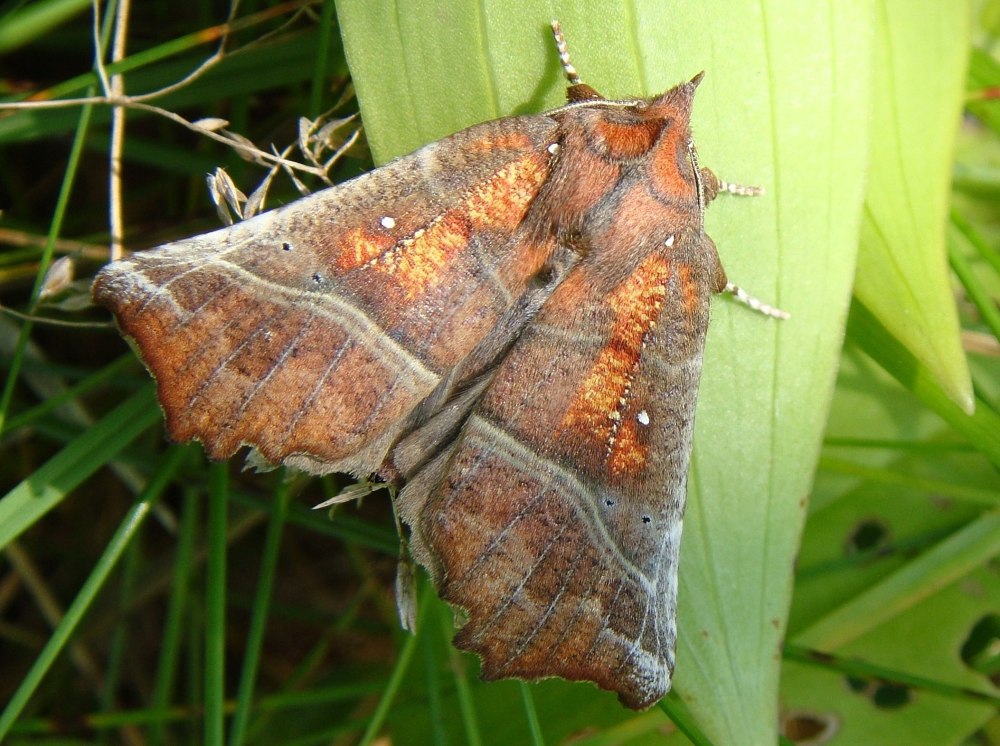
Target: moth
pixel 508 325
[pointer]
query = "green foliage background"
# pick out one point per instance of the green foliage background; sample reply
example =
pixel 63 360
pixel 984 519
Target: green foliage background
pixel 844 491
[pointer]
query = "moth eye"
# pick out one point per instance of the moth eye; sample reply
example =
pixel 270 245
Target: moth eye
pixel 286 246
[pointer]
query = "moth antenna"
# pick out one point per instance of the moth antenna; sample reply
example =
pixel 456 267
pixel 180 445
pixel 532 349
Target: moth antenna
pixel 757 305
pixel 571 74
pixel 740 189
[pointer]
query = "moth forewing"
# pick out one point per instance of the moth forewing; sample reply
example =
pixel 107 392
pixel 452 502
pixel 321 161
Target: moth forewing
pixel 311 332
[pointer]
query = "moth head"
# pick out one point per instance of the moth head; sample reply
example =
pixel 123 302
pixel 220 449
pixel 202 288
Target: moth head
pixel 631 129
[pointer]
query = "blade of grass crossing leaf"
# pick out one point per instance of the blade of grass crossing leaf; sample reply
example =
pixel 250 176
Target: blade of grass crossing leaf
pixel 432 652
pixel 679 714
pixel 532 714
pixel 981 495
pixel 296 691
pixel 854 667
pixel 462 690
pixel 105 374
pixel 91 588
pixel 119 638
pixel 982 428
pixel 46 487
pixel 173 627
pixel 215 606
pixel 396 679
pixel 36 19
pixel 978 294
pixel 45 260
pixel 258 621
pixel 193 688
pixel 966 549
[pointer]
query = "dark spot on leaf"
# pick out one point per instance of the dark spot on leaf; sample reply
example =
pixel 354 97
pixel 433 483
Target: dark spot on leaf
pixel 891 696
pixel 868 535
pixel 808 727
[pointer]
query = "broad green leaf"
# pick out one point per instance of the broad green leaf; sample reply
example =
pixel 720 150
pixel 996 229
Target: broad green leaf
pixel 784 105
pixel 895 576
pixel 903 273
pixel 874 713
pixel 803 71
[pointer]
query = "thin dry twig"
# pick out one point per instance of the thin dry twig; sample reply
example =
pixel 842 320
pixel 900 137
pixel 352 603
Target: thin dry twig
pixel 222 32
pixel 117 89
pixel 316 143
pixel 113 96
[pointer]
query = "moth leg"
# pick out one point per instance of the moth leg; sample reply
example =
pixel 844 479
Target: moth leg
pixel 714 186
pixel 757 305
pixel 406 574
pixel 740 189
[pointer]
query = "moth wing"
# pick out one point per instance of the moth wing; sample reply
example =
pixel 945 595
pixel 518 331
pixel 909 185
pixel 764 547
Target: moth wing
pixel 554 519
pixel 310 332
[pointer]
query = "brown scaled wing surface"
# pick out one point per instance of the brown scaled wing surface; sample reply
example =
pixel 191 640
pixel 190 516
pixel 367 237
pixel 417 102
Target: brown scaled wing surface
pixel 546 479
pixel 312 331
pixel 554 519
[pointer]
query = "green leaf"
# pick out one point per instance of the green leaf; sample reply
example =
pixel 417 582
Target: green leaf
pixel 922 49
pixel 895 576
pixel 785 104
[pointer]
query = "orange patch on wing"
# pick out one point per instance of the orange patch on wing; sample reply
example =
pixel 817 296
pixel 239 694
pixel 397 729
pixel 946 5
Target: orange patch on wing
pixel 499 203
pixel 689 290
pixel 628 453
pixel 600 403
pixel 502 200
pixel 360 246
pixel 418 262
pixel 507 141
pixel 665 167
